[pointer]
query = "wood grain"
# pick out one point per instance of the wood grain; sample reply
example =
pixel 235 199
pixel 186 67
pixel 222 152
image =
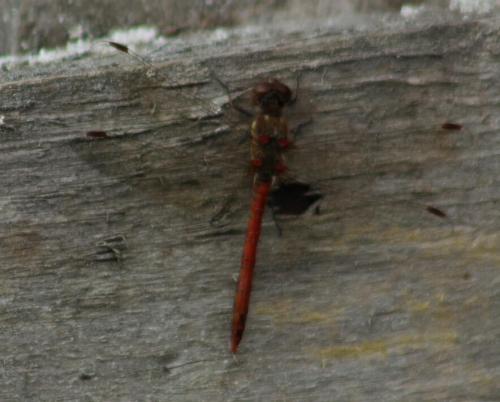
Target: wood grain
pixel 115 286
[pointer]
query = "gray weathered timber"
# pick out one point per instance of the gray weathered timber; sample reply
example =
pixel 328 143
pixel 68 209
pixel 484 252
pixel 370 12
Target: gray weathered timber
pixel 114 286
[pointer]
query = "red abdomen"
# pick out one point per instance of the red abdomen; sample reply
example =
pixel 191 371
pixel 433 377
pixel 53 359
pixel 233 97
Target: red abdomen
pixel 242 300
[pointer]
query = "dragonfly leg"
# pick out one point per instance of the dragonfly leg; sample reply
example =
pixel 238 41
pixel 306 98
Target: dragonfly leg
pixel 296 92
pixel 244 137
pixel 240 109
pixel 217 219
pixel 296 130
pixel 276 222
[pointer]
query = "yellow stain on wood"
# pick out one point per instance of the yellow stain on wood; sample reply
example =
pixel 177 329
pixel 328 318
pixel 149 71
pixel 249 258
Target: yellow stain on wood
pixel 434 303
pixel 383 347
pixel 310 317
pixel 436 307
pixel 355 351
pixel 442 238
pixel 278 309
pixel 439 307
pixel 445 338
pixel 287 311
pixel 485 245
pixel 418 307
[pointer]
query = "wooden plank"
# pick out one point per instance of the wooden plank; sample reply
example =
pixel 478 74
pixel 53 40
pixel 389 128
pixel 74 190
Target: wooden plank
pixel 115 286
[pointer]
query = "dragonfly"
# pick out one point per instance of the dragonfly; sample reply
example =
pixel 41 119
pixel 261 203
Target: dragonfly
pixel 270 140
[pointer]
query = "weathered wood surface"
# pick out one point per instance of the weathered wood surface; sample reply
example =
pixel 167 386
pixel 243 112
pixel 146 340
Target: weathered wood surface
pixel 115 287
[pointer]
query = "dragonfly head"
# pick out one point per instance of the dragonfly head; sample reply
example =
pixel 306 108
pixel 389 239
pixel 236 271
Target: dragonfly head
pixel 271 96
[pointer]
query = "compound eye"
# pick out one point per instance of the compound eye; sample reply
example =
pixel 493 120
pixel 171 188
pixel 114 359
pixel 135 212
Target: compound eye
pixel 282 91
pixel 260 92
